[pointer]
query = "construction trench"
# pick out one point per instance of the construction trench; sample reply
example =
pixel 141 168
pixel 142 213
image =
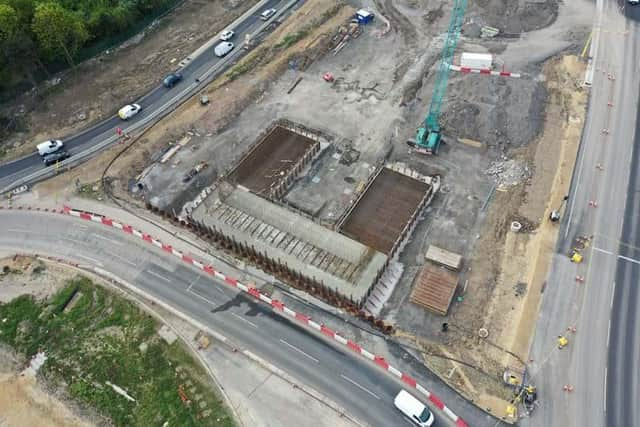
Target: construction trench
pixel 243 212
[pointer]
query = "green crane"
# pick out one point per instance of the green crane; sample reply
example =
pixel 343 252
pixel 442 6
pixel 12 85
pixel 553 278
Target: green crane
pixel 428 137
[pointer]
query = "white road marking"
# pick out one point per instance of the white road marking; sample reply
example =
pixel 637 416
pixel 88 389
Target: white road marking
pixel 18 230
pixel 605 389
pixel 245 320
pixel 613 291
pixel 90 259
pixel 604 251
pixel 299 351
pixel 202 297
pixel 153 273
pixel 635 261
pixel 360 387
pixel 123 259
pixel 608 332
pixel 115 242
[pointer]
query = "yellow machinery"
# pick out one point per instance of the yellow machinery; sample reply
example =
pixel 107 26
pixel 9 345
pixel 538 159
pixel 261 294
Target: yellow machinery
pixel 562 341
pixel 579 244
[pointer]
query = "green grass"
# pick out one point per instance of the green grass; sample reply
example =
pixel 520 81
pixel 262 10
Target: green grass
pixel 292 38
pixel 98 340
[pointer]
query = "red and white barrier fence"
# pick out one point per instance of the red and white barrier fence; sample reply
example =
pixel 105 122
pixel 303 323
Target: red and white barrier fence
pixel 274 303
pixel 467 70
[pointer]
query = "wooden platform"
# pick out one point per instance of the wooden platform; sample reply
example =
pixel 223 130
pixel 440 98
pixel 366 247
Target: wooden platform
pixel 434 289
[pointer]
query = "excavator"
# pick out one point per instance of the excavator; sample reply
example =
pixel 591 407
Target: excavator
pixel 428 136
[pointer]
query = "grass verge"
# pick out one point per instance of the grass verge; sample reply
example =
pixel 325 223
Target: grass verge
pixel 92 338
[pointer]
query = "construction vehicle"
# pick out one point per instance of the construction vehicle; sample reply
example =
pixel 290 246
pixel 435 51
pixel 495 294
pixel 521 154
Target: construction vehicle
pixel 580 243
pixel 562 342
pixel 428 136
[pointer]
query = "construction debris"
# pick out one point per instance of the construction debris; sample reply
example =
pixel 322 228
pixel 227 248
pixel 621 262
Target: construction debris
pixel 509 173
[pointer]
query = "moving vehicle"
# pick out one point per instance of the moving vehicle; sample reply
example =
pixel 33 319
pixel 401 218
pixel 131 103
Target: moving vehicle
pixel 267 14
pixel 633 2
pixel 56 157
pixel 223 48
pixel 172 79
pixel 129 111
pixel 415 410
pixel 49 147
pixel 226 35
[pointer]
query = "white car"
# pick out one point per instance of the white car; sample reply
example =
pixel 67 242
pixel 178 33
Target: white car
pixel 223 48
pixel 226 35
pixel 49 147
pixel 267 14
pixel 633 2
pixel 129 111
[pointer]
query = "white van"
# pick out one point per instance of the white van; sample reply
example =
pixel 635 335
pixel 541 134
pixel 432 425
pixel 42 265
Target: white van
pixel 267 14
pixel 415 410
pixel 49 147
pixel 223 48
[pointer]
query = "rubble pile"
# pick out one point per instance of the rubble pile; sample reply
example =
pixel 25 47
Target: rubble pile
pixel 508 173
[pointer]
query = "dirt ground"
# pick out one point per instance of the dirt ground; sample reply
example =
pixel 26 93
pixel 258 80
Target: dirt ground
pixel 508 270
pixel 493 169
pixel 98 87
pixel 23 401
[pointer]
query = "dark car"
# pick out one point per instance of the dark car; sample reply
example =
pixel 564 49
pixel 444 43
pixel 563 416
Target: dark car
pixel 172 79
pixel 56 157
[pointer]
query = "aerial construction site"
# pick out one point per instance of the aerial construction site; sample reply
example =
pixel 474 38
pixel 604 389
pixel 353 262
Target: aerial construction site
pixel 398 165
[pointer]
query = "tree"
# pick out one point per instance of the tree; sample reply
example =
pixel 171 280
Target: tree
pixel 9 21
pixel 58 31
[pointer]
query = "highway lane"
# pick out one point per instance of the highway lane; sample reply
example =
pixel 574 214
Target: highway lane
pixel 587 306
pixel 355 384
pixel 623 369
pixel 160 99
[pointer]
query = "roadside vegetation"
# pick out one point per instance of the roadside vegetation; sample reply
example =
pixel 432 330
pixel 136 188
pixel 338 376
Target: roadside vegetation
pixel 96 342
pixel 41 37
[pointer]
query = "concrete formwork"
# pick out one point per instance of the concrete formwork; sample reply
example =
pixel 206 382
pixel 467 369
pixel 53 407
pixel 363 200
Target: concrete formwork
pixel 386 210
pixel 342 267
pixel 273 163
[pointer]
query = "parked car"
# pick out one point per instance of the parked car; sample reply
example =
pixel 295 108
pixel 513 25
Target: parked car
pixel 53 158
pixel 226 35
pixel 267 14
pixel 223 48
pixel 129 111
pixel 49 147
pixel 172 79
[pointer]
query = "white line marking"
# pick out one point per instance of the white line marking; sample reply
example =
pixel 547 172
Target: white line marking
pixel 153 273
pixel 202 297
pixel 123 259
pixel 360 387
pixel 613 291
pixel 299 351
pixel 605 389
pixel 604 251
pixel 608 332
pixel 628 259
pixel 18 230
pixel 89 258
pixel 107 239
pixel 244 320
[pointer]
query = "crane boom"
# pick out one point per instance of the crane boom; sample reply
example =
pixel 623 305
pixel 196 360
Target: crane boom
pixel 428 136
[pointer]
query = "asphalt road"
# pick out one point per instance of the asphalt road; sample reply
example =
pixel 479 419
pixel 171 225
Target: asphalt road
pixel 156 103
pixel 586 363
pixel 357 385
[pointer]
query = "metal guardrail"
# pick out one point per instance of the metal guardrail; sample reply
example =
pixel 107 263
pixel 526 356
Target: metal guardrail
pixel 167 108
